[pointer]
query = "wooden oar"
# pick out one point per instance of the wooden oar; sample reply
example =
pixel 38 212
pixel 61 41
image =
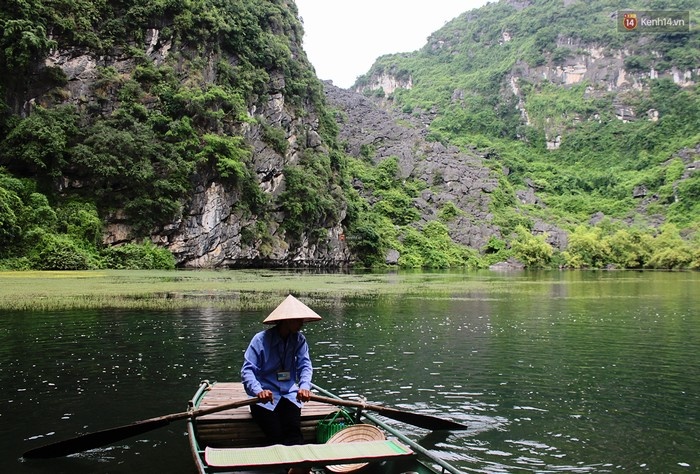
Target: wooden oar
pixel 105 437
pixel 412 418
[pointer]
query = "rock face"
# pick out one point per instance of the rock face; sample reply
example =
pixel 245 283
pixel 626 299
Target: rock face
pixel 213 233
pixel 451 176
pixel 604 72
pixel 216 229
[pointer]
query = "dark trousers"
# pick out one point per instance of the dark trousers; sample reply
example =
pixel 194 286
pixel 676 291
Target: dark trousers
pixel 281 426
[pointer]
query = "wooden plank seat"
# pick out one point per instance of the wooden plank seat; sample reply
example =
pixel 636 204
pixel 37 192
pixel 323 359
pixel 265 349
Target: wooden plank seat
pixel 236 428
pixel 307 454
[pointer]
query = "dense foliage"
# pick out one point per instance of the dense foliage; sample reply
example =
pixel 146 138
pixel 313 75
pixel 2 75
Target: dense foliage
pixel 133 152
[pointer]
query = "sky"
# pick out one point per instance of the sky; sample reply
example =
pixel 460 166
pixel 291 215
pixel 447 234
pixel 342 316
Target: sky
pixel 342 38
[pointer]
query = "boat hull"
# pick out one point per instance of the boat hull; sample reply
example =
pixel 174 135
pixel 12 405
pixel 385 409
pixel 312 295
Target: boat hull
pixel 235 429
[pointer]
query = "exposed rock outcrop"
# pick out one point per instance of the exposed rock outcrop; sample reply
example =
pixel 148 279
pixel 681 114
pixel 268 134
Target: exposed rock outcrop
pixel 216 231
pixel 451 175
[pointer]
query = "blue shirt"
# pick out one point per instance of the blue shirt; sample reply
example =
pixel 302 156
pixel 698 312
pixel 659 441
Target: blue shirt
pixel 266 355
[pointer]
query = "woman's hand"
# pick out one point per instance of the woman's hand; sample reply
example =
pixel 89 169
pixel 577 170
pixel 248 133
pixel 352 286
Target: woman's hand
pixel 265 396
pixel 303 395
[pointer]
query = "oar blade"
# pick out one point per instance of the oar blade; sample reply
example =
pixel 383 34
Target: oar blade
pixel 422 421
pixel 94 440
pixel 417 419
pixel 102 438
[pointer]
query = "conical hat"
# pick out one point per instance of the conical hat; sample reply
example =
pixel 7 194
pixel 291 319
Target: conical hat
pixel 292 308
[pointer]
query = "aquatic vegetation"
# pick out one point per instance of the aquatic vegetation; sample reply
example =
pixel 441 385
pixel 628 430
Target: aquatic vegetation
pixel 227 289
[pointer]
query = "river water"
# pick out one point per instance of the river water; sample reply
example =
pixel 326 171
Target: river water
pixel 584 372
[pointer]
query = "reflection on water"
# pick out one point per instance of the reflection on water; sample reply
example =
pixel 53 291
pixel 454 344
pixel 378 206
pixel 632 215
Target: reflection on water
pixel 552 372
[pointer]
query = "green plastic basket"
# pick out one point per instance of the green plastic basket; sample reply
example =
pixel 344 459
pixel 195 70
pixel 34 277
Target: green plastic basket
pixel 331 424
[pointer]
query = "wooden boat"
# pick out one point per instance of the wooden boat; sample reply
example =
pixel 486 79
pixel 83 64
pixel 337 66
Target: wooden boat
pixel 230 441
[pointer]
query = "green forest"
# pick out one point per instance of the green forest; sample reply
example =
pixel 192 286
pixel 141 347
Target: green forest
pixel 135 151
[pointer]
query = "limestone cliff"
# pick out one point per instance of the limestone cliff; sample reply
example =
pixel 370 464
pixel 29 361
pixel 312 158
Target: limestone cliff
pixel 618 72
pixel 250 80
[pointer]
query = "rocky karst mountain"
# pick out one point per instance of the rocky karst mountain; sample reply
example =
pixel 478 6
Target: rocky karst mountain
pixel 201 128
pixel 587 120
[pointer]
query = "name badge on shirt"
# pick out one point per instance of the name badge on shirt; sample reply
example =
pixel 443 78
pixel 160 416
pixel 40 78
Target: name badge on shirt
pixel 284 376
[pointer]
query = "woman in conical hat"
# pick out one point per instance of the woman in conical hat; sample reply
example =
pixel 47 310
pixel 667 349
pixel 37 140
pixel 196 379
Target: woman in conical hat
pixel 277 370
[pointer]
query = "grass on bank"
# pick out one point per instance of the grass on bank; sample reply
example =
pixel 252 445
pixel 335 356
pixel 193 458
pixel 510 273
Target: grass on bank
pixel 229 289
pixel 256 290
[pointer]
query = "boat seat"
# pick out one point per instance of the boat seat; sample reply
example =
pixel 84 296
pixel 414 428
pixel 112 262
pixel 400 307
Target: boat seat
pixel 236 428
pixel 305 454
